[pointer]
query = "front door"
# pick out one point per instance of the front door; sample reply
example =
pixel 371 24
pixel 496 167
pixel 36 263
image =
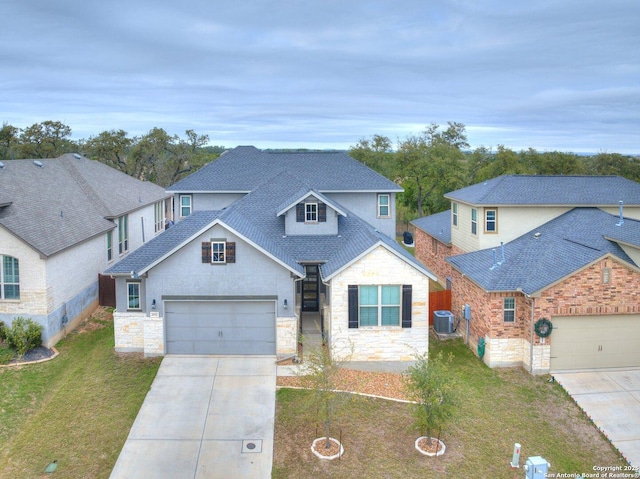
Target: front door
pixel 310 288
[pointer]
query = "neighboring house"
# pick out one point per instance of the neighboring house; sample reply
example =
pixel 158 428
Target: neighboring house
pixel 62 222
pixel 263 238
pixel 522 251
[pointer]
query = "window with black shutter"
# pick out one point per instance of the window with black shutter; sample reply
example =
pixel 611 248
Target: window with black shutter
pixel 300 213
pixel 322 212
pixel 353 305
pixel 406 305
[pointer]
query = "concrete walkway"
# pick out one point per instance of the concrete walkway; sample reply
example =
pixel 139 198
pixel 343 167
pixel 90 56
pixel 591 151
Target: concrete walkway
pixel 612 400
pixel 204 417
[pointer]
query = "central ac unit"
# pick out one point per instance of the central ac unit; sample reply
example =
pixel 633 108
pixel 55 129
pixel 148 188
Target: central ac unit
pixel 443 322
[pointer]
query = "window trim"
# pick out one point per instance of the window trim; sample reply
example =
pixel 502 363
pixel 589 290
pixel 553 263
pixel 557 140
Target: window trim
pixel 130 296
pixel 509 309
pixel 494 221
pixel 123 234
pixel 221 251
pixel 454 214
pixel 474 221
pixel 311 212
pixel 158 212
pixel 380 306
pixel 189 207
pixel 3 280
pixel 109 246
pixel 380 205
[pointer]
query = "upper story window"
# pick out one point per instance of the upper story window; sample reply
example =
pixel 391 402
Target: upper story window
pixel 123 234
pixel 158 216
pixel 9 278
pixel 133 296
pixel 185 205
pixel 384 210
pixel 311 212
pixel 491 221
pixel 509 310
pixel 474 221
pixel 218 249
pixel 454 214
pixel 109 245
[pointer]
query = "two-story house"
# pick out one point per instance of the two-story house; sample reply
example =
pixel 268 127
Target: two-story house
pixel 543 270
pixel 63 221
pixel 263 239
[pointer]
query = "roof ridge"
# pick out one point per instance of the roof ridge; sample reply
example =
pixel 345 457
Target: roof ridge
pixel 85 186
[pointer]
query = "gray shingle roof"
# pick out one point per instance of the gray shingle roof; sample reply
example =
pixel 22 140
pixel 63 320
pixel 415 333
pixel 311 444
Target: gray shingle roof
pixel 550 190
pixel 255 218
pixel 67 200
pixel 437 225
pixel 245 167
pixel 547 254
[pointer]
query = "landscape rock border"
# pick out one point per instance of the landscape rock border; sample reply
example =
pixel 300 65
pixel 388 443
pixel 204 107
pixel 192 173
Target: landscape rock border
pixel 335 456
pixel 441 449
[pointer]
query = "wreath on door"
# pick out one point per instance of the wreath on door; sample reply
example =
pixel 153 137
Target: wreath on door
pixel 543 327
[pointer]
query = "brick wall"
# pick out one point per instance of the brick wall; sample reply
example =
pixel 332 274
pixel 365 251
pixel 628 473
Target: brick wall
pixel 432 253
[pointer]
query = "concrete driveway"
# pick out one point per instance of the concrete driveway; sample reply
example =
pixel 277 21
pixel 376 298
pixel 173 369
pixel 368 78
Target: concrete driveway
pixel 204 417
pixel 612 400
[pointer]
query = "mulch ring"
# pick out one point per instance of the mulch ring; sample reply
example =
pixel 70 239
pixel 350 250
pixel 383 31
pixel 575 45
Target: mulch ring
pixel 35 355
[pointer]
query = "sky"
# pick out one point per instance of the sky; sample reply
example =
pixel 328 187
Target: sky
pixel 545 74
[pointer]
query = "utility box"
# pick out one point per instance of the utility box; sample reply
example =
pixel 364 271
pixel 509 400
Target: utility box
pixel 443 321
pixel 536 468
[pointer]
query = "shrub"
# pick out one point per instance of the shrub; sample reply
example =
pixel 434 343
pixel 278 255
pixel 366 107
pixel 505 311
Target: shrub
pixel 6 353
pixel 24 335
pixel 3 331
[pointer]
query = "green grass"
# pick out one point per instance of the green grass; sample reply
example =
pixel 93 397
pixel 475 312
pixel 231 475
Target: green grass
pixel 76 409
pixel 497 409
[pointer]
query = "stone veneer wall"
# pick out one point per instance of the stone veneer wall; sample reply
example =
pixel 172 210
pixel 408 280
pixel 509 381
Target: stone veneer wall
pixel 378 343
pixel 128 331
pixel 153 331
pixel 286 335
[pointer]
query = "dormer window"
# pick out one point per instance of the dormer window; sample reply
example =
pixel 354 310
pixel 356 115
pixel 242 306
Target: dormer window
pixel 311 212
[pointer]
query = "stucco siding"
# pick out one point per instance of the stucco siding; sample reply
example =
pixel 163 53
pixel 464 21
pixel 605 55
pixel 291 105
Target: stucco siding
pixel 379 267
pixel 365 206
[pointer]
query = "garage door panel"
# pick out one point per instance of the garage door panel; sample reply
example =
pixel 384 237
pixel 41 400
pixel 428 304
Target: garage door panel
pixel 594 342
pixel 220 327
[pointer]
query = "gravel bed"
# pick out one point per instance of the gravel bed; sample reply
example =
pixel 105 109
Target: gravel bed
pixel 388 385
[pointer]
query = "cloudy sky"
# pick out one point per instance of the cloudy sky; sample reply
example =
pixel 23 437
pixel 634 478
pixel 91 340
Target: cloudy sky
pixel 547 74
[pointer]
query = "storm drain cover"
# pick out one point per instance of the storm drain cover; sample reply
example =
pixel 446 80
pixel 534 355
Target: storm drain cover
pixel 252 445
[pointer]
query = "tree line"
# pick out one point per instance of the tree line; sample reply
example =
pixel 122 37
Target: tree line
pixel 156 156
pixel 427 165
pixel 438 160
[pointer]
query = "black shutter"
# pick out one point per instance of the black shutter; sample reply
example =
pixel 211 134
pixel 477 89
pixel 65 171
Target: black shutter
pixel 230 252
pixel 353 306
pixel 406 305
pixel 206 252
pixel 300 213
pixel 322 212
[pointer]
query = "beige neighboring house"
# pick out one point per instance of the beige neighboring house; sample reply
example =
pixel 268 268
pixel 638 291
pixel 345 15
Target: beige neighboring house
pixel 62 222
pixel 544 271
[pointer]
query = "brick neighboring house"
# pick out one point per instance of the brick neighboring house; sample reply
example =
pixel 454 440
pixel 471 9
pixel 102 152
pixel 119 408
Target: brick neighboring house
pixel 519 250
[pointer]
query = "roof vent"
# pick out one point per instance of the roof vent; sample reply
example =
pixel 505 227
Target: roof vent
pixel 77 156
pixel 38 163
pixel 537 235
pixel 1 165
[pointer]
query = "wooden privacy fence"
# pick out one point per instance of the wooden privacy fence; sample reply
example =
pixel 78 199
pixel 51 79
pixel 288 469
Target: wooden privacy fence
pixel 439 301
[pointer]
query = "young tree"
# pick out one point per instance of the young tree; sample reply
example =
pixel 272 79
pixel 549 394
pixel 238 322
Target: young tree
pixel 430 384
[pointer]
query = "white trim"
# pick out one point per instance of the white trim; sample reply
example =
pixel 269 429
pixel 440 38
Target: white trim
pixel 315 194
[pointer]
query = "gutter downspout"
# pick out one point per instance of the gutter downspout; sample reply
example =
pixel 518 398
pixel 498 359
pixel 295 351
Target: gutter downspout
pixel 533 307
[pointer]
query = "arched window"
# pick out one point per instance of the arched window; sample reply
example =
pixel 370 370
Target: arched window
pixel 9 278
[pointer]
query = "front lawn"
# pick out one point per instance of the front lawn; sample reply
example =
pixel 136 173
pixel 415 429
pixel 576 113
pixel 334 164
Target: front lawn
pixel 498 408
pixel 76 409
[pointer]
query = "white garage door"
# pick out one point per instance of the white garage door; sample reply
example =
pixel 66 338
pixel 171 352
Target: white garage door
pixel 594 342
pixel 220 327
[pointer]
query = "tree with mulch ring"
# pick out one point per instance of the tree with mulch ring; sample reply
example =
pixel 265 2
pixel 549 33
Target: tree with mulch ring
pixel 430 385
pixel 319 373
